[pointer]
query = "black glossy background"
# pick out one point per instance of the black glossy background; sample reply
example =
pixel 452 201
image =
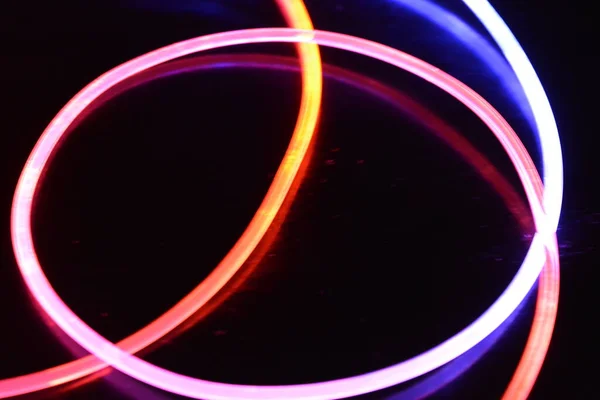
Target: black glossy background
pixel 392 243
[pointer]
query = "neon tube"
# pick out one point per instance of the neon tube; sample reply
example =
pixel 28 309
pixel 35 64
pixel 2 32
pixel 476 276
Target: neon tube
pixel 478 44
pixel 545 125
pixel 405 104
pixel 540 336
pixel 540 106
pixel 146 372
pixel 296 14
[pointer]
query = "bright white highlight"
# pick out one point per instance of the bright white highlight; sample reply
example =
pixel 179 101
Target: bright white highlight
pixel 552 162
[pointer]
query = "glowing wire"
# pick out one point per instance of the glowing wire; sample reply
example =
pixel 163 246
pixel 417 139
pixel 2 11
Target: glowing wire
pixel 540 106
pixel 146 372
pixel 538 342
pixel 121 382
pixel 405 104
pixel 547 131
pixel 297 16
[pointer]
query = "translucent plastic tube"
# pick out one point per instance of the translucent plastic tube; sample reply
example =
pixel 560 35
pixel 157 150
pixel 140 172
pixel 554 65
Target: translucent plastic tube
pixel 545 127
pixel 538 342
pixel 552 162
pixel 405 104
pixel 296 14
pixel 153 375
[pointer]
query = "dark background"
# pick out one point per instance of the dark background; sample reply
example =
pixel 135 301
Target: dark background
pixel 392 243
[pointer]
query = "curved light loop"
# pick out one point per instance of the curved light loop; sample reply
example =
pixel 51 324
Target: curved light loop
pixel 405 104
pixel 297 16
pixel 146 372
pixel 552 161
pixel 540 336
